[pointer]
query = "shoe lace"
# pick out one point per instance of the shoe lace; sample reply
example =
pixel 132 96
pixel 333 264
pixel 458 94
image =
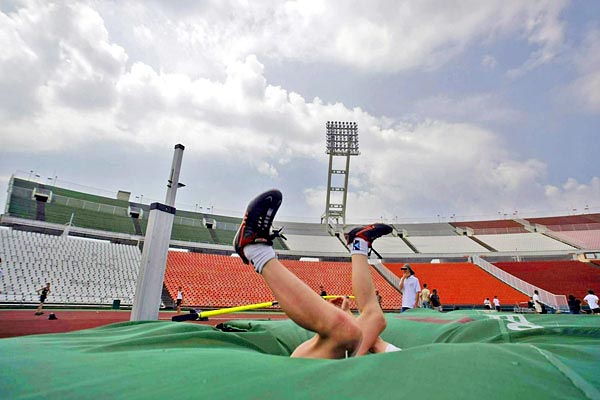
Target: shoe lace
pixel 264 221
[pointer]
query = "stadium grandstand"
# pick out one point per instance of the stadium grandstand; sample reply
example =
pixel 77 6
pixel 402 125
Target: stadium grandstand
pixel 88 246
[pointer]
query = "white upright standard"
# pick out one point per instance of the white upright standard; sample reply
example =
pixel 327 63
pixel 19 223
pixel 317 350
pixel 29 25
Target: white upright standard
pixel 146 302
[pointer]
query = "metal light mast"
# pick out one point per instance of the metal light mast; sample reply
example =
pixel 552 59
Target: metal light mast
pixel 341 142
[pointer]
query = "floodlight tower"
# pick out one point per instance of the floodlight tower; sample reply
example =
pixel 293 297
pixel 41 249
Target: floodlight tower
pixel 341 142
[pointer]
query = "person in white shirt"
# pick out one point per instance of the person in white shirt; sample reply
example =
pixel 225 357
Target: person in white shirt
pixel 496 303
pixel 410 288
pixel 592 300
pixel 537 304
pixel 487 304
pixel 179 299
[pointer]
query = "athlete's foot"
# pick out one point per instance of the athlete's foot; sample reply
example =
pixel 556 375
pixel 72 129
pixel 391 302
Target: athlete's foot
pixel 256 225
pixel 368 233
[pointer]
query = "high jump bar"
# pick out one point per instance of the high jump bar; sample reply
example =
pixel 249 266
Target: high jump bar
pixel 266 304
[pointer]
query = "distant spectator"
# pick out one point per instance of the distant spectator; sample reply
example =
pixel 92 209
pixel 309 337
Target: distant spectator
pixel 179 299
pixel 436 303
pixel 410 288
pixel 487 304
pixel 496 303
pixel 44 291
pixel 424 297
pixel 0 273
pixel 592 301
pixel 574 305
pixel 378 296
pixel 537 304
pixel 323 292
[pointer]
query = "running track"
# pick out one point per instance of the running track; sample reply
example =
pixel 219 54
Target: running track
pixel 24 322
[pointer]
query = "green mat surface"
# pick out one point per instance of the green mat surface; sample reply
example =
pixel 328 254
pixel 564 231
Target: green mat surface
pixel 456 355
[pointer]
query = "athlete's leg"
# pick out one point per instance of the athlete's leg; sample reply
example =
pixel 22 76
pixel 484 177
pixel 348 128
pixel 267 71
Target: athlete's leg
pixel 371 319
pixel 337 332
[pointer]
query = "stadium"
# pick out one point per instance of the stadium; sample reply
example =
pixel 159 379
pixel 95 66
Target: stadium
pixel 90 248
pixel 454 255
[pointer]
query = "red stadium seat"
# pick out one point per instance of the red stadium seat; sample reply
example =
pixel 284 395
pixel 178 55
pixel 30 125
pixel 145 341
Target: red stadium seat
pixel 558 277
pixel 210 280
pixel 462 283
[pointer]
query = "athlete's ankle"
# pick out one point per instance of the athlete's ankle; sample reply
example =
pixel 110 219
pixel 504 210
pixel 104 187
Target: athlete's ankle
pixel 359 246
pixel 259 255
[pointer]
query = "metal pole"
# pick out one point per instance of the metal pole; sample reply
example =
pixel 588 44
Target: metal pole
pixel 174 184
pixel 150 279
pixel 328 201
pixel 345 189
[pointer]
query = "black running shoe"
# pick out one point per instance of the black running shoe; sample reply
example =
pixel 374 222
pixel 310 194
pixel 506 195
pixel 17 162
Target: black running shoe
pixel 368 232
pixel 256 225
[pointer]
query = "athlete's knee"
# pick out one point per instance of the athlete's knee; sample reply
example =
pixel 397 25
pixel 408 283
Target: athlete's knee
pixel 346 331
pixel 380 322
pixel 375 318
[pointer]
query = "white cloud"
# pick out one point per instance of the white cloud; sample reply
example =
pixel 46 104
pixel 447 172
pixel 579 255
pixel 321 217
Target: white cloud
pixel 374 36
pixel 573 195
pixel 544 31
pixel 443 166
pixel 56 52
pixel 267 169
pixel 584 91
pixel 587 89
pixel 479 107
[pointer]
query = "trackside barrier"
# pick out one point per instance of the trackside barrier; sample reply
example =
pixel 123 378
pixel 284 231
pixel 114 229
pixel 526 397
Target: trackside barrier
pixel 559 302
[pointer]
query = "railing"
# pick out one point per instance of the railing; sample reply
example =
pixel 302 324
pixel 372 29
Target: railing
pixel 386 273
pixel 24 193
pixel 558 302
pixel 90 205
pixel 199 222
pixel 499 231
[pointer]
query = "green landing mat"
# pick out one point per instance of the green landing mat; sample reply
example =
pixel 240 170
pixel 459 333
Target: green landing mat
pixel 455 355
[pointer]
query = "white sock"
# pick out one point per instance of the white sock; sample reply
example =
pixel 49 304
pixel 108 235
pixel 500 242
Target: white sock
pixel 359 246
pixel 390 348
pixel 259 255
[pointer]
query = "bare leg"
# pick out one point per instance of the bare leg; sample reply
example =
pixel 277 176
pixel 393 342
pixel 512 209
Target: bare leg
pixel 337 332
pixel 371 319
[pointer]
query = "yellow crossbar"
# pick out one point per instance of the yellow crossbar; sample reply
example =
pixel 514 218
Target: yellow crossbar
pixel 221 311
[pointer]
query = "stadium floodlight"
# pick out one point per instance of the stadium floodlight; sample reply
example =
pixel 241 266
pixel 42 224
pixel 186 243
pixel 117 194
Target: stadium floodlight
pixel 342 138
pixel 341 141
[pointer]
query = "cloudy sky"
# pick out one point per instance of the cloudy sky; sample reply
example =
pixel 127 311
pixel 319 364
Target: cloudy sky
pixel 465 108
